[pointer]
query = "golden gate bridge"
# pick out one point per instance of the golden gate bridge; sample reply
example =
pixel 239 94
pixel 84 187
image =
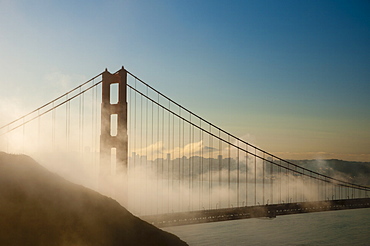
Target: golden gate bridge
pixel 165 163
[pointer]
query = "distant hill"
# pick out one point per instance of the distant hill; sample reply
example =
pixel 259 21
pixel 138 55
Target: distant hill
pixel 38 207
pixel 352 171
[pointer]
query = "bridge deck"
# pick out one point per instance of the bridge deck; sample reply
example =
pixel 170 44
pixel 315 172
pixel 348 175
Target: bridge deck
pixel 269 211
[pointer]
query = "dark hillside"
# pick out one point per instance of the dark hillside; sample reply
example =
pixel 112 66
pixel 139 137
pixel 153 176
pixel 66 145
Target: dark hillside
pixel 38 207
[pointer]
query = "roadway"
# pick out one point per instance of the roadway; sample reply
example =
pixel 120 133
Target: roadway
pixel 268 211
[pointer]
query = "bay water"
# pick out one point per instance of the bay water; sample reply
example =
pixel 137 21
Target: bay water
pixel 345 227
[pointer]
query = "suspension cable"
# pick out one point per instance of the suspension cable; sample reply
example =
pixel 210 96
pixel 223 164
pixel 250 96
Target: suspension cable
pixel 235 146
pixel 218 128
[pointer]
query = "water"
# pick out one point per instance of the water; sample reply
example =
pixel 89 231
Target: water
pixel 346 227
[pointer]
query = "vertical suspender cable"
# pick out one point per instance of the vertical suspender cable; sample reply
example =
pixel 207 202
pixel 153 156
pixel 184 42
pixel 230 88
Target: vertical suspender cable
pixel 83 123
pixel 190 147
pixel 287 176
pixel 66 128
pixel 169 158
pixel 210 169
pixel 263 179
pixel 173 159
pixel 271 181
pixel 280 180
pixel 141 157
pixel 219 167
pixel 146 150
pixel 179 171
pixel 237 175
pixel 183 158
pixel 246 175
pixel 95 126
pixel 133 175
pixel 295 186
pixel 192 163
pixel 255 176
pixel 97 123
pixel 68 124
pixel 162 160
pixel 92 127
pixel 228 171
pixel 158 149
pixel 130 149
pixel 201 168
pixel 79 122
pixel 152 156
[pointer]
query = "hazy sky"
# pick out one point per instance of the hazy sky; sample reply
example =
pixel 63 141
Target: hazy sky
pixel 292 77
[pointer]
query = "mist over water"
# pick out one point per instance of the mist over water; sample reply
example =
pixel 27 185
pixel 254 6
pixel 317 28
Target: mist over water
pixel 166 178
pixel 345 227
pixel 163 183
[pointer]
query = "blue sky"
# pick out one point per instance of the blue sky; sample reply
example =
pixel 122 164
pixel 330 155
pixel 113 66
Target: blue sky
pixel 292 77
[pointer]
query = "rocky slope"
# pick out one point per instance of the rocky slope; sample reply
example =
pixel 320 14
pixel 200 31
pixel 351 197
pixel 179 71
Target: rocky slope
pixel 38 207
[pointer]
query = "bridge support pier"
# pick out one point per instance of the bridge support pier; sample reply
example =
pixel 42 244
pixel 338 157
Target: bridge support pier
pixel 113 148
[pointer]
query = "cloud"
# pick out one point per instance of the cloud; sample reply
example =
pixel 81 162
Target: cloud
pixel 158 150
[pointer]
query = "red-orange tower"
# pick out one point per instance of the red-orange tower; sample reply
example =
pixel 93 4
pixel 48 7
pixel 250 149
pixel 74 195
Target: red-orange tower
pixel 119 142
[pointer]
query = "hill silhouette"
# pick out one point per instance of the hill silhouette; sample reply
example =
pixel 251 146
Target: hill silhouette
pixel 38 207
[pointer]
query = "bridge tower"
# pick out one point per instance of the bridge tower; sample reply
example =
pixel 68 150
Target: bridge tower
pixel 113 148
